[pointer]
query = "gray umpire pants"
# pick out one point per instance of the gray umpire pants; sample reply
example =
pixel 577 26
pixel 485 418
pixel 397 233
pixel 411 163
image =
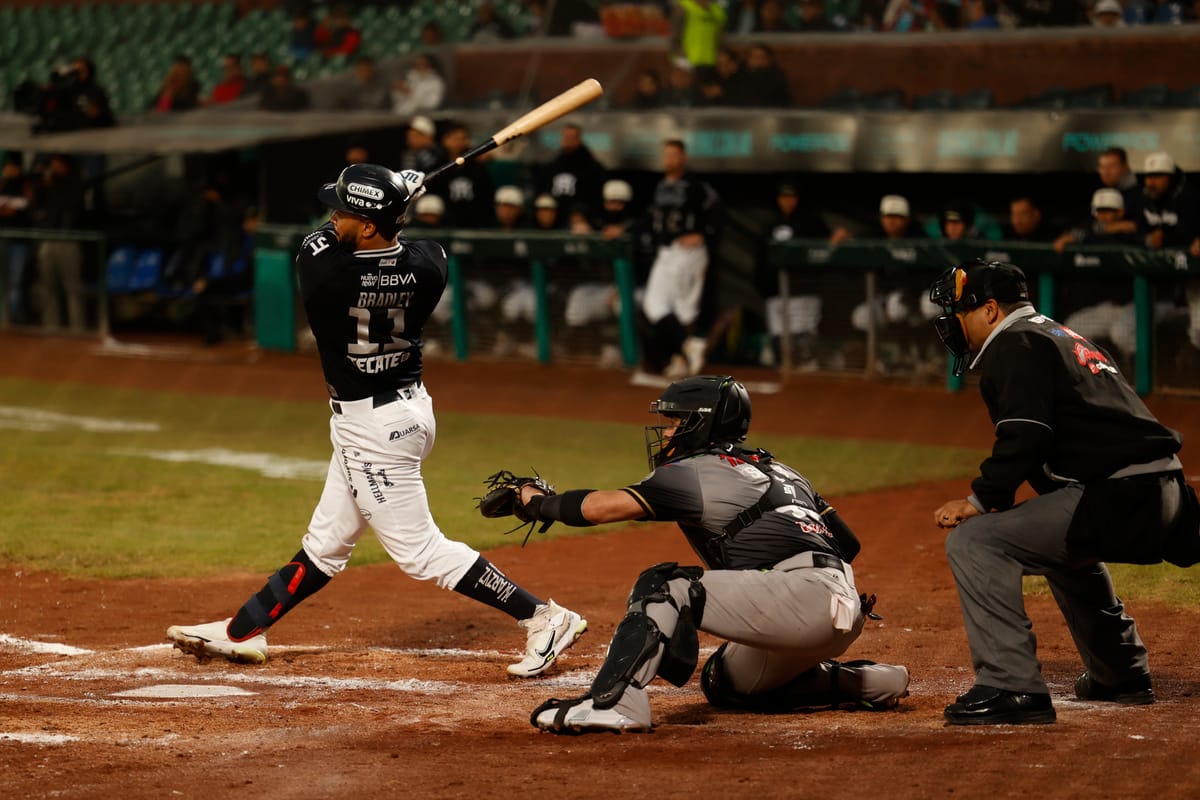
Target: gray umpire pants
pixel 990 553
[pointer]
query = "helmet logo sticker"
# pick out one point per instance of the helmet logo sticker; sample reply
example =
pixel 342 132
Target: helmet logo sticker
pixel 362 190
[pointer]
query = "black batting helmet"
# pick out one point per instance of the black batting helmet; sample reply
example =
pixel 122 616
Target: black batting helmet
pixel 375 193
pixel 706 411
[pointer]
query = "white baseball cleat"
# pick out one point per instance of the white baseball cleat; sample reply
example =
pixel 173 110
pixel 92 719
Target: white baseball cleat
pixel 580 716
pixel 550 631
pixel 211 640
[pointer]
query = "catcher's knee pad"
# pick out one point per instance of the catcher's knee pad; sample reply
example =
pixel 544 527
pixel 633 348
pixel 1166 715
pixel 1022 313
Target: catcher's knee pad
pixel 638 636
pixel 292 583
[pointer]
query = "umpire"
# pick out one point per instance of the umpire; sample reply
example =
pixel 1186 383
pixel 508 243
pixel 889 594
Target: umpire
pixel 1110 488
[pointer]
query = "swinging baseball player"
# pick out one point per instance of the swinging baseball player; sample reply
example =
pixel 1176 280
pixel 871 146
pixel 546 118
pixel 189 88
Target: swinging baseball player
pixel 368 291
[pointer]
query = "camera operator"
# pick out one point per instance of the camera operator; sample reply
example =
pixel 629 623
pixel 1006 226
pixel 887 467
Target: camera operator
pixel 69 101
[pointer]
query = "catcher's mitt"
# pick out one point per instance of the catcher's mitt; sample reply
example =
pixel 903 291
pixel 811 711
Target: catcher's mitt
pixel 503 499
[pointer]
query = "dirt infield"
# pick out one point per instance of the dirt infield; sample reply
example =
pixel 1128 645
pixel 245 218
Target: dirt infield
pixel 382 687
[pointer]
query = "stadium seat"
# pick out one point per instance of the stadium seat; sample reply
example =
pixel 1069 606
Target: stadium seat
pixel 886 100
pixel 977 100
pixel 1099 96
pixel 937 100
pixel 119 271
pixel 846 98
pixel 1185 98
pixel 1153 96
pixel 1053 98
pixel 147 269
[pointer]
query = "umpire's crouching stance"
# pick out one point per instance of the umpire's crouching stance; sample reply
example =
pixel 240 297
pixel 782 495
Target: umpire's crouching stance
pixel 1110 488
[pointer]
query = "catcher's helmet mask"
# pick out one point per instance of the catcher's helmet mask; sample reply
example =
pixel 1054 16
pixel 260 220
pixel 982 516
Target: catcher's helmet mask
pixel 374 193
pixel 963 289
pixel 706 411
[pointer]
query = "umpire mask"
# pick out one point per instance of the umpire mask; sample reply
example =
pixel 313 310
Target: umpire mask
pixel 962 289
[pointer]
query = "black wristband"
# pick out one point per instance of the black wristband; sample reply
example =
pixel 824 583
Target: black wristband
pixel 566 508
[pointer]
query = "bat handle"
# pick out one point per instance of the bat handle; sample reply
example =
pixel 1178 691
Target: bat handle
pixel 486 147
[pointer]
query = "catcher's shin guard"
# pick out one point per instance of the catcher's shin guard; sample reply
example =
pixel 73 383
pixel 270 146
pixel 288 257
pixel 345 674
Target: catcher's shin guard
pixel 293 582
pixel 638 638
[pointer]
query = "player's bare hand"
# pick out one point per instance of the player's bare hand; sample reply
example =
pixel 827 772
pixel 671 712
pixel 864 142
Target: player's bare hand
pixel 952 513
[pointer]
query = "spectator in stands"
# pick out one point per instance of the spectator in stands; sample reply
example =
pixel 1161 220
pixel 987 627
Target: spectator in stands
pixel 1113 168
pixel 1108 14
pixel 428 212
pixel 743 18
pixel 905 16
pixel 573 176
pixel 422 89
pixel 283 94
pixel 420 146
pixel 337 34
pixel 771 18
pixel 648 92
pixel 981 15
pixel 368 92
pixel 357 153
pixel 71 100
pixel 700 24
pixel 489 26
pixel 232 83
pixel 260 74
pixel 545 212
pixel 722 88
pixel 763 83
pixel 56 203
pixel 1025 222
pixel 1047 13
pixel 681 88
pixel 812 17
pixel 180 90
pixel 468 189
pixel 1171 210
pixel 431 35
pixel 14 213
pixel 302 39
pixel 1108 211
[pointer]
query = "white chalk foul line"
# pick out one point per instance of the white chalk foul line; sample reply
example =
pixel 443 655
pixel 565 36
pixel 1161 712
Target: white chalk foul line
pixel 38 738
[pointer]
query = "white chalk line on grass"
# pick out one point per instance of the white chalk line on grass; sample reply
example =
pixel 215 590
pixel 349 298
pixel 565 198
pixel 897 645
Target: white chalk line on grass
pixel 40 420
pixel 269 465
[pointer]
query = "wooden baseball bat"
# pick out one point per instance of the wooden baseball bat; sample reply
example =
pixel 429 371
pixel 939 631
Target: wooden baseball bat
pixel 578 95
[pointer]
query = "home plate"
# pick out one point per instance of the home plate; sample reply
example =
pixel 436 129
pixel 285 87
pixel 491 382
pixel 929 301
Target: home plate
pixel 178 690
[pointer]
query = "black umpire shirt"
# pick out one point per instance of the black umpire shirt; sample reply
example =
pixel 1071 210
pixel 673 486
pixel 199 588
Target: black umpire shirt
pixel 367 308
pixel 1061 409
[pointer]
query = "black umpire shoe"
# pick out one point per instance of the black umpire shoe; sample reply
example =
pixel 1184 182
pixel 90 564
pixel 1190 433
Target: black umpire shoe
pixel 1133 692
pixel 987 705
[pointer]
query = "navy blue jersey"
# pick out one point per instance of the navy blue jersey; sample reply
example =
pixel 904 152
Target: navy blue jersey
pixel 367 308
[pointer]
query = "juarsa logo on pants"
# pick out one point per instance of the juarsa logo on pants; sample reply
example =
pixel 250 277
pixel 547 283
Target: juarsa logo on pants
pixel 394 435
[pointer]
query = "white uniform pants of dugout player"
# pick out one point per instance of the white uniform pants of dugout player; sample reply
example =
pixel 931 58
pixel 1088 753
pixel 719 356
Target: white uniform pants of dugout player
pixel 375 481
pixel 779 622
pixel 675 284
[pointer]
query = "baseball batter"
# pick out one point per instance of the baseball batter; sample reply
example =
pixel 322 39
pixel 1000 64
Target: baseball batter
pixel 368 291
pixel 776 583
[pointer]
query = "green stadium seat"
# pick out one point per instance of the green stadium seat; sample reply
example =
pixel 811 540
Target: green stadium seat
pixel 847 98
pixel 1153 96
pixel 1185 98
pixel 977 100
pixel 1053 98
pixel 937 100
pixel 886 100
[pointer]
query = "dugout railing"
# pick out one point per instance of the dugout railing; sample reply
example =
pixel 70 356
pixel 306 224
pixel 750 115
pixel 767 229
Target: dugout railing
pixel 1162 287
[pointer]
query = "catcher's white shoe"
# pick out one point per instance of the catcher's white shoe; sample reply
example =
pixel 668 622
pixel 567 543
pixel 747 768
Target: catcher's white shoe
pixel 550 631
pixel 211 640
pixel 580 716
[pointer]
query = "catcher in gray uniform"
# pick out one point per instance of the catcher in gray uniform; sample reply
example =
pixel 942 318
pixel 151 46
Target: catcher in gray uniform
pixel 776 581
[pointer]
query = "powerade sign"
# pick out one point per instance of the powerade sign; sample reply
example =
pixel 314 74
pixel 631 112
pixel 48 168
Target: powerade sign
pixel 1099 141
pixel 979 143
